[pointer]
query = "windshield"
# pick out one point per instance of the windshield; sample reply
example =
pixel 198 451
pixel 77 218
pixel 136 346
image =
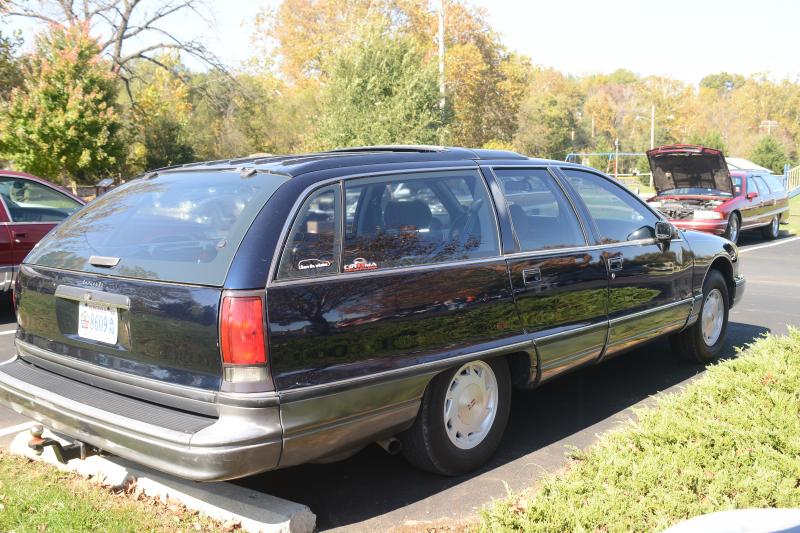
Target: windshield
pixel 178 226
pixel 694 191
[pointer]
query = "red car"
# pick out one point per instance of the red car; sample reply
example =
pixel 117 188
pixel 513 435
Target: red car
pixel 695 190
pixel 29 208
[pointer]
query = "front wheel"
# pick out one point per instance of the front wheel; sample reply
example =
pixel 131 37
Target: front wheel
pixel 703 341
pixel 772 231
pixel 462 418
pixel 732 231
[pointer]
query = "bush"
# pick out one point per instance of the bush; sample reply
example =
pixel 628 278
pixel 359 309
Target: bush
pixel 730 440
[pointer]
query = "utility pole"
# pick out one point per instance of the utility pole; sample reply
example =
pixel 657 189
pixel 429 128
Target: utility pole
pixel 652 126
pixel 616 158
pixel 441 58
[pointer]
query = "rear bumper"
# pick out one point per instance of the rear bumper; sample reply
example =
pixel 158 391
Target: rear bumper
pixel 240 442
pixel 717 227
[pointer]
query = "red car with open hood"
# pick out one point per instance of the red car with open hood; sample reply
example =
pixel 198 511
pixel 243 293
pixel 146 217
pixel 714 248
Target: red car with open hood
pixel 695 190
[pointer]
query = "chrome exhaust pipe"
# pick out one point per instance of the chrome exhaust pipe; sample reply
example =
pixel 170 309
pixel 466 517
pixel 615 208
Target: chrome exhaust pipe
pixel 392 445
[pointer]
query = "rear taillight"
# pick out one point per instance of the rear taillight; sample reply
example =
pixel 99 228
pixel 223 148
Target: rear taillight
pixel 242 339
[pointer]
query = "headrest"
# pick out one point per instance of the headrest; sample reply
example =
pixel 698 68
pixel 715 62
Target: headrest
pixel 399 214
pixel 514 186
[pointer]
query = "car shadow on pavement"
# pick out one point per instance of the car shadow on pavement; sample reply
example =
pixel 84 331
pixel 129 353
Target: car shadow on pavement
pixel 373 483
pixel 7 315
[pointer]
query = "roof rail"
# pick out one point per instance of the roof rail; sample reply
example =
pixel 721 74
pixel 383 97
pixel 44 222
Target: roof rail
pixel 400 148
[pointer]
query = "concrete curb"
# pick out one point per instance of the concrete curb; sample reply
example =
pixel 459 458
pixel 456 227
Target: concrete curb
pixel 254 511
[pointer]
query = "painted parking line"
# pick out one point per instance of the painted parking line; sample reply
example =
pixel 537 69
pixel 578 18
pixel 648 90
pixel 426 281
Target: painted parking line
pixel 760 246
pixel 10 332
pixel 15 429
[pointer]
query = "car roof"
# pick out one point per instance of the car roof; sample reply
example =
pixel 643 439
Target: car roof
pixel 294 165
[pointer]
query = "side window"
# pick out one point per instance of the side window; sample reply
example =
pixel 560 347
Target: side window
pixel 313 244
pixel 761 187
pixel 540 213
pixel 619 216
pixel 28 201
pixel 417 219
pixel 774 183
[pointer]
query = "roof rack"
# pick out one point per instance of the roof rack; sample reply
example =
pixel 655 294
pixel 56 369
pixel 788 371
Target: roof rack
pixel 400 148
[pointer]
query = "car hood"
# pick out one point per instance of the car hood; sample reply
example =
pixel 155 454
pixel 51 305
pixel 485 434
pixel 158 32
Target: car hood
pixel 687 166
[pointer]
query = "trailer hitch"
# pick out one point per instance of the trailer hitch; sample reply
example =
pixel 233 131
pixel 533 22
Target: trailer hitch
pixel 63 453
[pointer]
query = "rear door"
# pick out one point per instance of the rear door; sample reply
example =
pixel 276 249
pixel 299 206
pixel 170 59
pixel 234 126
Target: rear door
pixel 34 209
pixel 381 273
pixel 560 284
pixel 650 286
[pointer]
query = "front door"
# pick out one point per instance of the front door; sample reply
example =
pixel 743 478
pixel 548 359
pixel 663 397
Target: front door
pixel 650 282
pixel 559 284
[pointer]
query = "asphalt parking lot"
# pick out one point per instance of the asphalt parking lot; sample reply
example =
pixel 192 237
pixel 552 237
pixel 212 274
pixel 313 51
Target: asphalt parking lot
pixel 373 491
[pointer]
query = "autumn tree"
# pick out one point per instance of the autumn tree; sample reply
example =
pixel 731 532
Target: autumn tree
pixel 485 83
pixel 549 118
pixel 62 122
pixel 379 91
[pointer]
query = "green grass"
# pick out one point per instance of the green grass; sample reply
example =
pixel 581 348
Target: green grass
pixel 794 216
pixel 730 440
pixel 37 497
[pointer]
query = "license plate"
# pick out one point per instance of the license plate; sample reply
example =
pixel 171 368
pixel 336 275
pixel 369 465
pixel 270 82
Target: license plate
pixel 97 322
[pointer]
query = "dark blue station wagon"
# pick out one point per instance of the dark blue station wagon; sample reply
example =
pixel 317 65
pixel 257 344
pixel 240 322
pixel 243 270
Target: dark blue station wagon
pixel 220 319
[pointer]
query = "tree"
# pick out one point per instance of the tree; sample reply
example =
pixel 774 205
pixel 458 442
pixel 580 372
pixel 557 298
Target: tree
pixel 131 30
pixel 62 122
pixel 769 153
pixel 722 81
pixel 485 83
pixel 712 139
pixel 549 118
pixel 10 65
pixel 379 91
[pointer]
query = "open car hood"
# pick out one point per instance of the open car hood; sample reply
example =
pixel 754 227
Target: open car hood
pixel 688 166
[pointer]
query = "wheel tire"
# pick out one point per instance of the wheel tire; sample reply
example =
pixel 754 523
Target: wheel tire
pixel 691 343
pixel 427 444
pixel 772 231
pixel 734 228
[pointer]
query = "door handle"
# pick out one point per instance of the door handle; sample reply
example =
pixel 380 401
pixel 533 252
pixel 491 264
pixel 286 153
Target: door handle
pixel 17 235
pixel 615 264
pixel 531 276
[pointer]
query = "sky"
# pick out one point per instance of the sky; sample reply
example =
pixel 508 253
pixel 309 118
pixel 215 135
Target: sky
pixel 684 39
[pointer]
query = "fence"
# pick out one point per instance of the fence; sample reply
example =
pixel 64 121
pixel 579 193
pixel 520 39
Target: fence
pixel 792 177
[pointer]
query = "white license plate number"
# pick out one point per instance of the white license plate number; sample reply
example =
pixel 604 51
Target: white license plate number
pixel 98 322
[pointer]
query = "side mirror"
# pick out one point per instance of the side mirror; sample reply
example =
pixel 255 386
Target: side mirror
pixel 752 195
pixel 664 231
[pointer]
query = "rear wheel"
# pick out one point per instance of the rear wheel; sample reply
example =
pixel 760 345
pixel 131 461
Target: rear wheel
pixel 462 418
pixel 772 231
pixel 732 231
pixel 703 341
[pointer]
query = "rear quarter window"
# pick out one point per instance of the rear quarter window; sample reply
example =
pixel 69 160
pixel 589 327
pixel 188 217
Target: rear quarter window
pixel 178 226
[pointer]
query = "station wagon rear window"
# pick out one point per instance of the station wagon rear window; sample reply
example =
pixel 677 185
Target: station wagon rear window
pixel 178 226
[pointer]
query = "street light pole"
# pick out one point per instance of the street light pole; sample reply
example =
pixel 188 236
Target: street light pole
pixel 441 58
pixel 652 126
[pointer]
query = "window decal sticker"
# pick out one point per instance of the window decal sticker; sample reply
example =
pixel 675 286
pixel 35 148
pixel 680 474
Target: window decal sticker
pixel 306 264
pixel 360 264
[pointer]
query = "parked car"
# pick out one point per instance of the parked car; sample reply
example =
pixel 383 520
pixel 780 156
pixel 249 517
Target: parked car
pixel 695 190
pixel 222 319
pixel 29 208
